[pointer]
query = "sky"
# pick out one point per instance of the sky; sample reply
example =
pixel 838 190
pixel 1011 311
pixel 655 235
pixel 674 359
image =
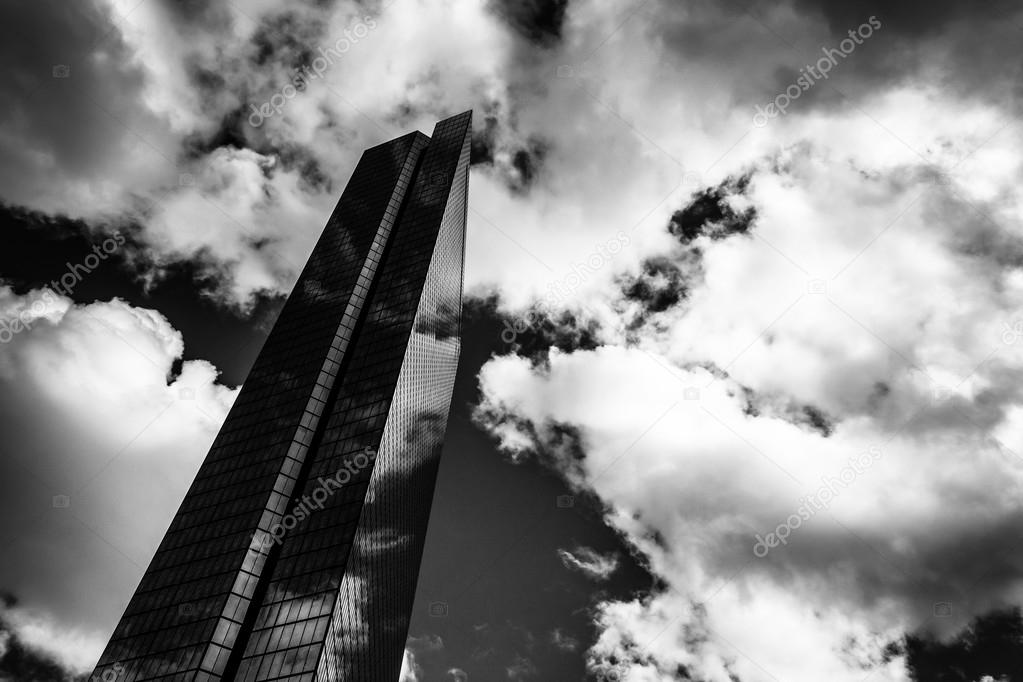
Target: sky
pixel 739 396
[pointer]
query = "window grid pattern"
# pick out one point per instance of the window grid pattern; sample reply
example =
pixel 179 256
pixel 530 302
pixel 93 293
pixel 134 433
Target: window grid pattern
pixel 370 622
pixel 368 339
pixel 195 593
pixel 323 557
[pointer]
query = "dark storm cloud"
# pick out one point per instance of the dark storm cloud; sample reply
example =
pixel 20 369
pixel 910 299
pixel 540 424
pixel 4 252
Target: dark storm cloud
pixel 664 281
pixel 565 331
pixel 230 133
pixel 536 331
pixel 974 46
pixel 233 132
pixel 990 648
pixel 763 48
pixel 38 250
pixel 710 213
pixel 288 39
pixel 909 17
pixel 20 662
pixel 518 162
pixel 484 139
pixel 660 284
pixel 197 11
pixel 307 163
pixel 72 93
pixel 808 417
pixel 539 21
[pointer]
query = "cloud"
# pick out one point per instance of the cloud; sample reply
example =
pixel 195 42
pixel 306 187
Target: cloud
pixel 521 669
pixel 228 220
pixel 592 564
pixel 96 405
pixel 410 672
pixel 563 641
pixel 161 111
pixel 35 648
pixel 841 278
pixel 841 380
pixel 78 117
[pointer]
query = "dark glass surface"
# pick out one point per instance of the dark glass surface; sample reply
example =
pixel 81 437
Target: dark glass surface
pixel 295 553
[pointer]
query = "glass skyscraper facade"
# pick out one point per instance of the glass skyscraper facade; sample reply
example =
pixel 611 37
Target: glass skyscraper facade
pixel 295 553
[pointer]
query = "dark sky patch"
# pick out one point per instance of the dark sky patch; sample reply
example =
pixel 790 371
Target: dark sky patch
pixel 230 133
pixel 971 49
pixel 527 162
pixel 538 21
pixel 976 46
pixel 659 285
pixel 491 550
pixel 664 281
pixel 809 417
pixel 992 645
pixel 59 63
pixel 287 39
pixel 484 139
pixel 198 12
pixel 535 332
pixel 39 250
pixel 519 166
pixel 498 147
pixel 709 214
pixel 878 395
pixel 302 159
pixel 910 18
pixel 565 331
pixel 817 420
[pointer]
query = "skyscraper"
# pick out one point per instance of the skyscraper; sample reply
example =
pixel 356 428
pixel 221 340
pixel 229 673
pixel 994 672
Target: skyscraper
pixel 295 553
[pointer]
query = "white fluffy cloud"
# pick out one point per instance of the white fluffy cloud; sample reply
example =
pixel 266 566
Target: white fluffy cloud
pixel 880 288
pixel 92 418
pixel 410 672
pixel 878 294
